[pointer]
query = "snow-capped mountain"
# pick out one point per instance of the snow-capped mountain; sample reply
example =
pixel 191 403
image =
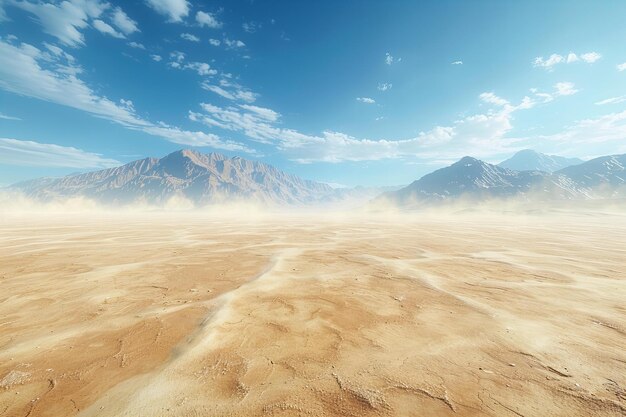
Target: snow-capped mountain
pixel 476 180
pixel 201 178
pixel 529 160
pixel 599 172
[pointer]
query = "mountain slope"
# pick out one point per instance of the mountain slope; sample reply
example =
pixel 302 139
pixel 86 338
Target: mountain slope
pixel 603 172
pixel 201 178
pixel 529 160
pixel 473 179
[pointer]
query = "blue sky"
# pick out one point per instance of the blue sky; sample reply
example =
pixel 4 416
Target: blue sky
pixel 350 92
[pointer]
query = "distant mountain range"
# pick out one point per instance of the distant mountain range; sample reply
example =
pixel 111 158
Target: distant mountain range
pixel 476 180
pixel 529 160
pixel 200 178
pixel 197 177
pixel 215 178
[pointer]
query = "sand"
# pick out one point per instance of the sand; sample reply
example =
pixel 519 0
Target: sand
pixel 191 315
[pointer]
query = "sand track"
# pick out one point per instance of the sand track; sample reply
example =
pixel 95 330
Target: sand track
pixel 157 316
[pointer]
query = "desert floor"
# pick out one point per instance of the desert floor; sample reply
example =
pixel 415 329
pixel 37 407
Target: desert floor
pixel 196 315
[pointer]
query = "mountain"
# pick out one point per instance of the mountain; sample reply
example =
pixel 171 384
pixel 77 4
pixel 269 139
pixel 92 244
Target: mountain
pixel 605 175
pixel 529 160
pixel 475 180
pixel 201 178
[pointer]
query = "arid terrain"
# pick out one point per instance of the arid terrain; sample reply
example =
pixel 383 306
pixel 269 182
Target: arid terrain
pixel 197 315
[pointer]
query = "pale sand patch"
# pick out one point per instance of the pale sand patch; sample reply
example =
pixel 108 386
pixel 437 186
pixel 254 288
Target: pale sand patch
pixel 198 316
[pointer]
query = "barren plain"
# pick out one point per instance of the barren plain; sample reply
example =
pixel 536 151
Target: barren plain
pixel 197 315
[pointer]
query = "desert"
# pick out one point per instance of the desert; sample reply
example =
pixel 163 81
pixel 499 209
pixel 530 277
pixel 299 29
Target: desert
pixel 200 314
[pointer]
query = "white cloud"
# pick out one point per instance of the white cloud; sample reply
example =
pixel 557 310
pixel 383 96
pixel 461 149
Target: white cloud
pixel 457 63
pixel 178 62
pixel 30 153
pixel 175 10
pixel 612 100
pixel 30 72
pixel 156 58
pixel 127 104
pixel 554 59
pixel 608 128
pixel 388 58
pixel 107 29
pixel 208 20
pixel 590 57
pixel 548 63
pixel 480 135
pixel 491 98
pixel 366 100
pixel 621 67
pixel 231 91
pixel 67 19
pixel 202 68
pixel 124 23
pixel 7 117
pixel 232 44
pixel 190 37
pixel 384 86
pixel 177 56
pixel 215 42
pixel 251 27
pixel 136 45
pixel 565 89
pixel 262 112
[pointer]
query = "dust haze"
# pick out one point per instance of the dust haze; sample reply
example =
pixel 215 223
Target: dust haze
pixel 498 309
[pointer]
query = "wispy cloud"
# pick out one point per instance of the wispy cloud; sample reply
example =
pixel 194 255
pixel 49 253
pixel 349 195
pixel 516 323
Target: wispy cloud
pixel 554 59
pixel 607 128
pixel 107 29
pixel 565 89
pixel 480 134
pixel 231 91
pixel 612 100
pixel 384 86
pixel 233 44
pixel 31 72
pixel 175 10
pixel 7 117
pixel 262 112
pixel 251 27
pixel 493 99
pixel 156 58
pixel 65 20
pixel 136 45
pixel 124 23
pixel 457 62
pixel 215 42
pixel 202 68
pixel 30 153
pixel 178 62
pixel 190 37
pixel 621 67
pixel 208 20
pixel 389 59
pixel 366 100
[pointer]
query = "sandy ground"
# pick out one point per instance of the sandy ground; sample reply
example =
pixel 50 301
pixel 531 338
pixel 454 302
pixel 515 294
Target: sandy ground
pixel 164 315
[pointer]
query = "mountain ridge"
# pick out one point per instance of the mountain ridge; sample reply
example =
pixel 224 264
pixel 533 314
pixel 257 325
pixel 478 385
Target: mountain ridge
pixel 201 178
pixel 531 160
pixel 474 180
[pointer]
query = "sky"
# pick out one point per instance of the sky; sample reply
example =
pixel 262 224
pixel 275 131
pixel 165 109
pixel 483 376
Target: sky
pixel 349 93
